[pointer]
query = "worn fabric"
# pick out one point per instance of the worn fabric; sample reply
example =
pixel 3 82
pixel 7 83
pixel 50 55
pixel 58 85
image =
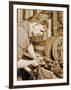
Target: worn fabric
pixel 22 38
pixel 44 73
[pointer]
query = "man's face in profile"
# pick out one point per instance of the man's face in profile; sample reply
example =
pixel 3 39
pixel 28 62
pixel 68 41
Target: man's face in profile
pixel 37 31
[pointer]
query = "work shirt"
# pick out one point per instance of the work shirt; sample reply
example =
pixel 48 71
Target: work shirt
pixel 22 38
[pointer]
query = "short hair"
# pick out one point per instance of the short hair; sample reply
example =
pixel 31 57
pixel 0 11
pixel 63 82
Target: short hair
pixel 41 18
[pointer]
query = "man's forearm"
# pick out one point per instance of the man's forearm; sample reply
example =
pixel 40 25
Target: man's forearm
pixel 31 51
pixel 23 63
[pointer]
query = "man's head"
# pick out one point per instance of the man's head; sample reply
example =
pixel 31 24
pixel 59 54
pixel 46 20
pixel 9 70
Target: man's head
pixel 36 30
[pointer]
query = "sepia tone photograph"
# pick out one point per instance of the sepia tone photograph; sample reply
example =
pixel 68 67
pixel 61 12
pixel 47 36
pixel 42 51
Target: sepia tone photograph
pixel 38 44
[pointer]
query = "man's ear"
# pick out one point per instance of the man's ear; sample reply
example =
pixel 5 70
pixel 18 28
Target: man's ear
pixel 30 28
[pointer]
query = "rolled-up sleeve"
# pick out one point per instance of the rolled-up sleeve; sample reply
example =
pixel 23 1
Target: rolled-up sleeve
pixel 22 40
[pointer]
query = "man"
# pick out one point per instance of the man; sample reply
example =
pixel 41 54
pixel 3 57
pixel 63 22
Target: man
pixel 29 31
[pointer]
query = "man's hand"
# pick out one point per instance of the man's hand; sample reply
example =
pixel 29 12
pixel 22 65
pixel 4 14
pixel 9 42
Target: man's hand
pixel 39 61
pixel 35 63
